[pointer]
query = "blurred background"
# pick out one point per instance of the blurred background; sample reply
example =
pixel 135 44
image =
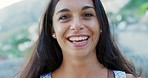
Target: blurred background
pixel 19 22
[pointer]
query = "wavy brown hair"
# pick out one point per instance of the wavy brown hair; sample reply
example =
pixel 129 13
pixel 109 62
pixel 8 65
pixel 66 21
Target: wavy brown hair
pixel 47 55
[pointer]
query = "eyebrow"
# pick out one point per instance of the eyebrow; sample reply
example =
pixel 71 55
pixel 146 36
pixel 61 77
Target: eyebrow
pixel 67 10
pixel 63 10
pixel 87 7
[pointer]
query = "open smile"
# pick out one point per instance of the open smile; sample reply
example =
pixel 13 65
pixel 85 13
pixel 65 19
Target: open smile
pixel 78 41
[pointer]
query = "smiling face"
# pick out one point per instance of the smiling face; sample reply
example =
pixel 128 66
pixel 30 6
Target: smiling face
pixel 76 27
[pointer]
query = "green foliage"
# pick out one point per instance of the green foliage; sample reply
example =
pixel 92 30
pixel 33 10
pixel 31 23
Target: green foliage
pixel 131 13
pixel 135 8
pixel 141 10
pixel 11 43
pixel 135 3
pixel 14 22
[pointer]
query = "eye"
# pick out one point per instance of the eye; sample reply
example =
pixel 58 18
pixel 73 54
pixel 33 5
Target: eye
pixel 64 17
pixel 87 15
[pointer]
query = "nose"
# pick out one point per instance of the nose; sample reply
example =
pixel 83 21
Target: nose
pixel 77 24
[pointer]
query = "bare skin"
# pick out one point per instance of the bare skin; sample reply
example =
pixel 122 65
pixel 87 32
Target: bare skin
pixel 81 69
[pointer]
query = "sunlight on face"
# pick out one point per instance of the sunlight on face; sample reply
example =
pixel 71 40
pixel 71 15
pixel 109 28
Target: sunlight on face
pixel 6 3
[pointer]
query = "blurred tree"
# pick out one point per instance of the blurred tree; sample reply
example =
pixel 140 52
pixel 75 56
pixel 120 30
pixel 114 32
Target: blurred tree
pixel 131 13
pixel 134 9
pixel 15 22
pixel 11 44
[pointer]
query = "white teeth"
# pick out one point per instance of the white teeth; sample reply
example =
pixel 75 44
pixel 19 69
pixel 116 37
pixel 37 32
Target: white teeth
pixel 77 38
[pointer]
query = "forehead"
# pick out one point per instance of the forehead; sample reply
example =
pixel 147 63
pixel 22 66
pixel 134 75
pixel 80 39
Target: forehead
pixel 73 4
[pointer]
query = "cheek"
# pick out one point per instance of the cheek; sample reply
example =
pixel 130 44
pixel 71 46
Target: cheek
pixel 60 29
pixel 93 25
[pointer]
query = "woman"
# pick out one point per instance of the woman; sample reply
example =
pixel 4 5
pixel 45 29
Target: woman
pixel 75 42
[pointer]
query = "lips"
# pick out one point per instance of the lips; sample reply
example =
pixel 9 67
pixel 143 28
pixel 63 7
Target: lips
pixel 78 41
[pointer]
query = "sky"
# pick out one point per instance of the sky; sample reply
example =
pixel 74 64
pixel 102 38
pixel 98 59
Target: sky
pixel 6 3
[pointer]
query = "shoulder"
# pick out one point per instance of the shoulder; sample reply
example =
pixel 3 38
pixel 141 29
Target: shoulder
pixel 123 74
pixel 131 76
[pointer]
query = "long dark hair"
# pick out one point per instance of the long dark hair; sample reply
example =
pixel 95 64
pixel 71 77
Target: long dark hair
pixel 47 55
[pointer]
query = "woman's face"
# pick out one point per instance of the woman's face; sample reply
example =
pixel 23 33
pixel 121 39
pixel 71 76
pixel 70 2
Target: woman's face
pixel 76 27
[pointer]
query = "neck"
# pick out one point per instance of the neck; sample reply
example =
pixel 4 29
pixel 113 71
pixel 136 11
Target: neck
pixel 87 67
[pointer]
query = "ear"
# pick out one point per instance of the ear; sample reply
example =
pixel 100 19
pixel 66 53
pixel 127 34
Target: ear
pixel 100 31
pixel 54 35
